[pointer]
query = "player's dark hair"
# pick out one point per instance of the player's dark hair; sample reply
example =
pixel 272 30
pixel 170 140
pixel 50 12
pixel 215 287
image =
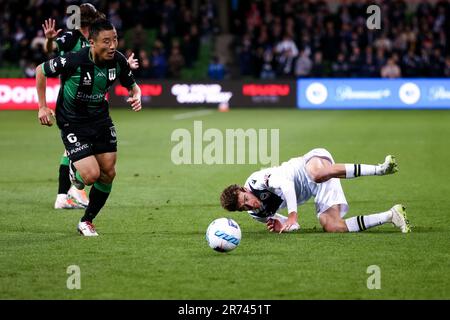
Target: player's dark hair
pixel 229 197
pixel 88 14
pixel 98 26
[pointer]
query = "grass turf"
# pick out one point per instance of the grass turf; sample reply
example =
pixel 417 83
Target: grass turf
pixel 152 230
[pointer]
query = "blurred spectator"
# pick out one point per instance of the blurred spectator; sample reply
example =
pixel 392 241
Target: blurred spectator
pixel 318 69
pixel 410 64
pixel 390 69
pixel 176 62
pixel 447 67
pixel 286 52
pixel 158 63
pixel 216 70
pixel 340 68
pixel 145 69
pixel 267 71
pixel 303 65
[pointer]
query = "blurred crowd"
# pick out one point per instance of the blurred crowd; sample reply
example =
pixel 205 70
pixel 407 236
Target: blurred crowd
pixel 179 31
pixel 302 38
pixel 272 38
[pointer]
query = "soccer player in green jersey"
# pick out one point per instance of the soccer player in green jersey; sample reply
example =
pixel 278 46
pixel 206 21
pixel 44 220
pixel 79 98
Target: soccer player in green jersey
pixel 68 196
pixel 82 113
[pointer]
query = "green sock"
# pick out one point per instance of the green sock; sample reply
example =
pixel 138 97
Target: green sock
pixel 78 177
pixel 64 161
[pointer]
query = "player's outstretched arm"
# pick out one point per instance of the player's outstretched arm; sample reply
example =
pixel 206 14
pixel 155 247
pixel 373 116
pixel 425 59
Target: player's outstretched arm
pixel 135 98
pixel 50 34
pixel 45 114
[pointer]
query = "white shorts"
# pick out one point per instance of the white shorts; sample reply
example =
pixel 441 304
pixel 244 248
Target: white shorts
pixel 329 193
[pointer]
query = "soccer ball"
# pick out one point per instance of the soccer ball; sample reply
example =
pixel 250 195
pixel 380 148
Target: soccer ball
pixel 223 234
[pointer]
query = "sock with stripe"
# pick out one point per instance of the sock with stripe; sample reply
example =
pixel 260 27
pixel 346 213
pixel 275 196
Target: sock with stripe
pixel 361 223
pixel 97 198
pixel 357 170
pixel 63 179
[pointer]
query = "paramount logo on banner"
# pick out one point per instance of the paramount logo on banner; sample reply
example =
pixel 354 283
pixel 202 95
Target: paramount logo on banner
pixel 347 93
pixel 439 93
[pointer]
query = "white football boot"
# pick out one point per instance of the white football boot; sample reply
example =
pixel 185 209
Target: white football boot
pixel 79 196
pixel 64 202
pixel 388 167
pixel 87 229
pixel 399 218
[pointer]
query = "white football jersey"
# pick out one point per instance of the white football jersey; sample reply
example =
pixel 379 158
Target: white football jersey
pixel 287 185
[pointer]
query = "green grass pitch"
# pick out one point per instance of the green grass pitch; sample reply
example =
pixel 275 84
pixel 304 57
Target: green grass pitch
pixel 152 230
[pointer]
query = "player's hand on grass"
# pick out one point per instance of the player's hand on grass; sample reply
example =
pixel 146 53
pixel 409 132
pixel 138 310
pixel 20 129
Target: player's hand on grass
pixel 46 116
pixel 49 29
pixel 134 63
pixel 135 103
pixel 291 224
pixel 274 225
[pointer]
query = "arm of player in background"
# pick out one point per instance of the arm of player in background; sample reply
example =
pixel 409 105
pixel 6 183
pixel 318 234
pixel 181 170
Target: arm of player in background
pixel 50 34
pixel 45 114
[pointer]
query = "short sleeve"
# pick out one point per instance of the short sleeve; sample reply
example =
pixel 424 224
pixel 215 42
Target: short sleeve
pixel 66 42
pixel 58 66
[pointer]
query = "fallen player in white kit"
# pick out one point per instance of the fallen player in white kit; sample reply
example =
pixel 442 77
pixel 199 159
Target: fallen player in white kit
pixel 313 175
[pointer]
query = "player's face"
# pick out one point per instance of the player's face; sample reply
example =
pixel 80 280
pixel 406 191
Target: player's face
pixel 105 45
pixel 248 201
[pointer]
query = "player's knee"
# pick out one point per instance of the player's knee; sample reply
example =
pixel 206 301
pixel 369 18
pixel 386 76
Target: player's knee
pixel 90 176
pixel 108 175
pixel 318 169
pixel 319 174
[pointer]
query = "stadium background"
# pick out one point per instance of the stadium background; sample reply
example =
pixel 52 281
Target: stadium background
pixel 260 58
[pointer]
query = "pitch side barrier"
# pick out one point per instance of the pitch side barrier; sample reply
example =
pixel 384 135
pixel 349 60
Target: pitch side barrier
pixel 373 93
pixel 237 94
pixel 20 94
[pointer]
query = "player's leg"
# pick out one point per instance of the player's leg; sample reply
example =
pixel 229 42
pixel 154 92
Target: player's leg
pixel 331 207
pixel 101 188
pixel 396 215
pixel 63 201
pixel 104 146
pixel 331 220
pixel 321 169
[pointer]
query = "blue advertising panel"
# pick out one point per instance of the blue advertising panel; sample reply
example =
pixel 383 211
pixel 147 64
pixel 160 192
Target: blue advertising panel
pixel 373 94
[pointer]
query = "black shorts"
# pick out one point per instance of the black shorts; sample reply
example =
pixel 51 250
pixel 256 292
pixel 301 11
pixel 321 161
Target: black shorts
pixel 85 141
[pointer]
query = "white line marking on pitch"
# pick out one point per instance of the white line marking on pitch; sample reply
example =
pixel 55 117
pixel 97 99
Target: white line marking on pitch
pixel 192 114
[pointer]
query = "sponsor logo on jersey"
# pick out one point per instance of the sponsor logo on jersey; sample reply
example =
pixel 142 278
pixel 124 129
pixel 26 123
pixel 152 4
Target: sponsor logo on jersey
pixel 264 195
pixel 52 64
pixel 113 132
pixel 90 97
pixel 63 61
pixel 87 81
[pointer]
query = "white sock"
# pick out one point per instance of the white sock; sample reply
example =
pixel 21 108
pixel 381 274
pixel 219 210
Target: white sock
pixel 361 223
pixel 355 170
